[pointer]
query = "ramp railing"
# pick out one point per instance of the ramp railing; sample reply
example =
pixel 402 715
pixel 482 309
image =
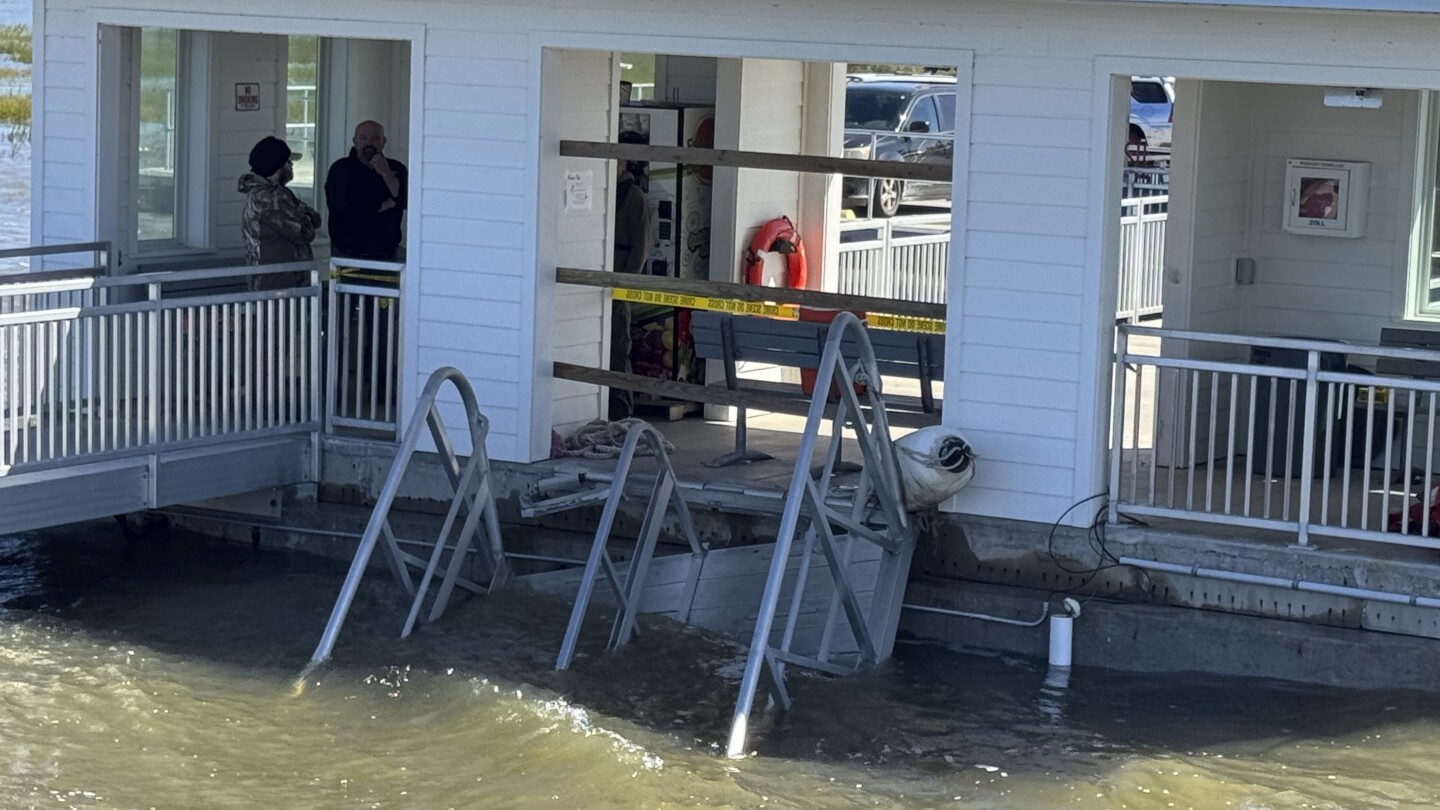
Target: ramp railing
pixel 473 502
pixel 665 494
pixel 25 265
pixel 876 515
pixel 132 364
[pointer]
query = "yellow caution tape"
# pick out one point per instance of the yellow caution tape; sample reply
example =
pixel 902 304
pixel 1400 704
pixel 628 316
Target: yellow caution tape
pixel 731 305
pixel 905 323
pixel 734 306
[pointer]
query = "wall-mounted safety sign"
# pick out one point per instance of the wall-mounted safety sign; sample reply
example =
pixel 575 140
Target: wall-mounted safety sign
pixel 247 96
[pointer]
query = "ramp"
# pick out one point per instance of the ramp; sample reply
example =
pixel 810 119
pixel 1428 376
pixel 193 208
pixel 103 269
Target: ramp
pixel 125 393
pixel 86 490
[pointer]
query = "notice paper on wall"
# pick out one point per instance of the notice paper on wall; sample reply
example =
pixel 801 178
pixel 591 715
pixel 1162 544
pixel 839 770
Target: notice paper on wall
pixel 579 189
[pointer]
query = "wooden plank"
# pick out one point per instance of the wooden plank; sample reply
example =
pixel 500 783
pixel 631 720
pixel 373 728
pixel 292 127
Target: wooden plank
pixel 716 395
pixel 713 395
pixel 735 158
pixel 747 292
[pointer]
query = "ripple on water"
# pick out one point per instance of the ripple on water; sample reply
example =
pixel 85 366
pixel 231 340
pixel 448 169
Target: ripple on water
pixel 154 677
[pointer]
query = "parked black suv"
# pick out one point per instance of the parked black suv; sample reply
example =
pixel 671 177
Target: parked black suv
pixel 904 118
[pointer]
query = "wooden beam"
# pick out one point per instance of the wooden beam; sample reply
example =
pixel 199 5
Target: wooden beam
pixel 748 292
pixel 690 392
pixel 716 395
pixel 735 158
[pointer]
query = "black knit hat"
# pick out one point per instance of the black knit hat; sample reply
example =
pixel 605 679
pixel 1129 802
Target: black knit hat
pixel 269 155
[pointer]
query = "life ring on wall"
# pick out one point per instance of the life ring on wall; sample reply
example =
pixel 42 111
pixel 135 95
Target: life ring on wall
pixel 777 236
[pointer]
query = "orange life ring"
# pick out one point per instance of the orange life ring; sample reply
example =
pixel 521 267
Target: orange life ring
pixel 777 236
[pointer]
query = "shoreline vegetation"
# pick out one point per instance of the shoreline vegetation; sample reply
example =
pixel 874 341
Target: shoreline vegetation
pixel 16 54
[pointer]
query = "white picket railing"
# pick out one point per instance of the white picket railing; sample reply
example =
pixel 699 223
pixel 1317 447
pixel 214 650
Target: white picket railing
pixel 1274 433
pixel 362 346
pixel 1142 256
pixel 26 265
pixel 140 362
pixel 905 258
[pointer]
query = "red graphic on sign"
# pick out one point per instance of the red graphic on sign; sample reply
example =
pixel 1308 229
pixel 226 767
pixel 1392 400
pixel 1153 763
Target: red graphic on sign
pixel 247 96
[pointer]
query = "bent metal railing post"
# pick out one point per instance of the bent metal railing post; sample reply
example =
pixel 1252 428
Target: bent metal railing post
pixel 664 494
pixel 873 628
pixel 473 496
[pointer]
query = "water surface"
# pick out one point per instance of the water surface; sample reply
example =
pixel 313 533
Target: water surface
pixel 161 677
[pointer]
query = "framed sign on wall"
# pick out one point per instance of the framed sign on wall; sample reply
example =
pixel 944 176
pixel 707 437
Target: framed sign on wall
pixel 1326 197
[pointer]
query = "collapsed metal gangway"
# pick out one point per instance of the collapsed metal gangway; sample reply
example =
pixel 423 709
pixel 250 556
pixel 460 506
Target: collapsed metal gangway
pixel 856 539
pixel 629 593
pixel 875 516
pixel 850 569
pixel 473 502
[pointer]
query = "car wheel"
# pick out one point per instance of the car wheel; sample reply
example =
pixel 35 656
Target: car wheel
pixel 887 197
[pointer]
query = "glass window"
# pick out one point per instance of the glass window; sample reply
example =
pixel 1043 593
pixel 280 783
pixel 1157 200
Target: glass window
pixel 157 191
pixel 946 101
pixel 872 108
pixel 301 111
pixel 1423 287
pixel 924 118
pixel 1149 92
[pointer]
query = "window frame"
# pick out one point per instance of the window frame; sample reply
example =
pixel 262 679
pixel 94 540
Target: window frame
pixel 191 231
pixel 1424 253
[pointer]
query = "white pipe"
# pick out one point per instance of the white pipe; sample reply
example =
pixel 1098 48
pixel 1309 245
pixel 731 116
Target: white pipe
pixel 1061 635
pixel 1044 611
pixel 1281 582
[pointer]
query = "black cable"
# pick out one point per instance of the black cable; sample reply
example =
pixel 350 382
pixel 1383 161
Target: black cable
pixel 1095 538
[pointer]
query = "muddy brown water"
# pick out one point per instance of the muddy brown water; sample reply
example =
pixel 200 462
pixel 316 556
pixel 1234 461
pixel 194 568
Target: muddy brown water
pixel 160 676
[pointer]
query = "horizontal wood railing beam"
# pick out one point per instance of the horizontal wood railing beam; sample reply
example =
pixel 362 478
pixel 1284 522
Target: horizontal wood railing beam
pixel 714 394
pixel 748 292
pixel 737 159
pixel 690 392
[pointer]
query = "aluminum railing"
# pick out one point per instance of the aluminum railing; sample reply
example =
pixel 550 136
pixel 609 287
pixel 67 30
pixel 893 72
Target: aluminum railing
pixel 150 366
pixel 1274 433
pixel 905 258
pixel 362 346
pixel 20 267
pixel 1142 256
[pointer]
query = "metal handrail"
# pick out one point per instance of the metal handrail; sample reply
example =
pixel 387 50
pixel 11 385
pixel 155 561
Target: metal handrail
pixel 881 474
pixel 426 414
pixel 666 489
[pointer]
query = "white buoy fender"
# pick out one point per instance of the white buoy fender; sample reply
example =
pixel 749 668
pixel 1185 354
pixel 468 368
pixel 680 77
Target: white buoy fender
pixel 935 463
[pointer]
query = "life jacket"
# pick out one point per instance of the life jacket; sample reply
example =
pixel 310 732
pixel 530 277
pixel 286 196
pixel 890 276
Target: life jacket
pixel 777 236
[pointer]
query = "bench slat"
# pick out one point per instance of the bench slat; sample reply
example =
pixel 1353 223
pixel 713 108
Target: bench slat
pixel 799 344
pixel 1411 339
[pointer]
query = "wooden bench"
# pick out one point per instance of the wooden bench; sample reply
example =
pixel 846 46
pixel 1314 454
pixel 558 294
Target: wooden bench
pixel 1409 339
pixel 732 339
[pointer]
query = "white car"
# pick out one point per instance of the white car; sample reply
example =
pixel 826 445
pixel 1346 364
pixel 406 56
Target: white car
pixel 1152 110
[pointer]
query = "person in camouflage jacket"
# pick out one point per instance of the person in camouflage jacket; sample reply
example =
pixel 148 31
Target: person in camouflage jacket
pixel 278 227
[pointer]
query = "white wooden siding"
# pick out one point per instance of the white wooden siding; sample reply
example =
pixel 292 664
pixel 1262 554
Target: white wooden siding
pixel 575 326
pixel 258 59
pixel 1025 321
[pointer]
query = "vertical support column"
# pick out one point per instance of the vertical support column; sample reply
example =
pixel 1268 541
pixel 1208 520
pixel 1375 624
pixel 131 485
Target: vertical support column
pixel 756 104
pixel 822 132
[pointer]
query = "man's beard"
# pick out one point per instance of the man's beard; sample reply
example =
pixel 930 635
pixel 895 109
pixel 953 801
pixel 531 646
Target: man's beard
pixel 369 153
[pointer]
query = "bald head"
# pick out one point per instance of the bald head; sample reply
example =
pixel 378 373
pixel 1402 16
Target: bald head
pixel 369 140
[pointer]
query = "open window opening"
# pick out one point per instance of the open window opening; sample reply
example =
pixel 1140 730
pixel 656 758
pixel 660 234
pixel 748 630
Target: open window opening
pixel 1290 383
pixel 726 157
pixel 187 107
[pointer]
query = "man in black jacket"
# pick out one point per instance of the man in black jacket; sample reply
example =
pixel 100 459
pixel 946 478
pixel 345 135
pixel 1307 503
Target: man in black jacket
pixel 365 192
